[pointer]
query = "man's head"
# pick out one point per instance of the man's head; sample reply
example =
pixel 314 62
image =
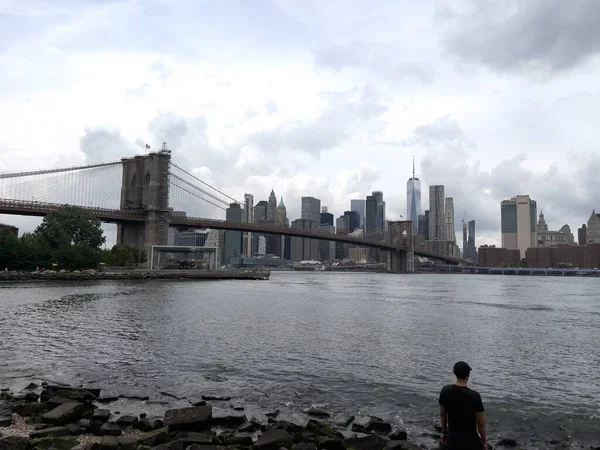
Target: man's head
pixel 462 370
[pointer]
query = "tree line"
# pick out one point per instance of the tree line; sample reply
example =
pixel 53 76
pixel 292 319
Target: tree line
pixel 69 238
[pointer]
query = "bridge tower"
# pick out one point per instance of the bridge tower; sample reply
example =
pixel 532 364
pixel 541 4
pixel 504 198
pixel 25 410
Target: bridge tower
pixel 145 188
pixel 400 233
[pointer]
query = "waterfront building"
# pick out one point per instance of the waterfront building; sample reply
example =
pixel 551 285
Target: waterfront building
pixel 437 225
pixel 191 238
pixel 449 219
pixel 518 223
pixel 248 218
pixel 10 228
pixel 491 256
pixel 413 200
pixel 549 238
pixel 582 235
pixel 233 239
pixel 326 248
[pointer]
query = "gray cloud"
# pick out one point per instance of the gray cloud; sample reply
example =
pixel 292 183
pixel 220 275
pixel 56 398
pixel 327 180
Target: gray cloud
pixel 380 59
pixel 100 145
pixel 515 35
pixel 566 193
pixel 348 114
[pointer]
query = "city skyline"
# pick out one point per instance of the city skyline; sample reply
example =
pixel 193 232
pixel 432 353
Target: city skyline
pixel 332 102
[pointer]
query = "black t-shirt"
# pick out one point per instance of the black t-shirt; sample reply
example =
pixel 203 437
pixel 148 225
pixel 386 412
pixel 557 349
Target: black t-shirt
pixel 461 404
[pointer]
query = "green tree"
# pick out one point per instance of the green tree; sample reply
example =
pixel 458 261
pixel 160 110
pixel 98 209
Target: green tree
pixel 71 226
pixel 9 249
pixel 122 256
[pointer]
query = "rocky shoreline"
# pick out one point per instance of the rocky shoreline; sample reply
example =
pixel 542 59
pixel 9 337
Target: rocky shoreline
pixel 92 275
pixel 65 418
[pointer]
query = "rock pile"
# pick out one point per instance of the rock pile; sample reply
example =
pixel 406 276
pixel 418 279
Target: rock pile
pixel 63 418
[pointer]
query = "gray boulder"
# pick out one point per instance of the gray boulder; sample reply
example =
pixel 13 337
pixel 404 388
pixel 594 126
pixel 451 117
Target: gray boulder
pixel 110 429
pixel 101 414
pixel 274 439
pixel 14 443
pixel 372 442
pixel 195 418
pixel 53 432
pixel 65 413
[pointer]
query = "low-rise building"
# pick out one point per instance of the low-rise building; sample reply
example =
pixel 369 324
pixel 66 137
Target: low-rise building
pixel 11 229
pixel 492 256
pixel 563 256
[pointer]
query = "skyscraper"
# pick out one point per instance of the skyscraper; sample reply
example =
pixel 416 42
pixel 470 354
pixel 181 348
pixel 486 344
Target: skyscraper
pixel 582 235
pixel 471 246
pixel 449 220
pixel 248 218
pixel 437 225
pixel 413 200
pixel 304 249
pixel 426 225
pixel 359 205
pixel 465 239
pixel 281 213
pixel 370 215
pixel 518 223
pixel 326 217
pixel 272 207
pixel 233 239
pixel 311 209
pixel 380 214
pixel 352 220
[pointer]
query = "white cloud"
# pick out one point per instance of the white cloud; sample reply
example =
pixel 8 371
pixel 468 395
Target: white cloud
pixel 325 99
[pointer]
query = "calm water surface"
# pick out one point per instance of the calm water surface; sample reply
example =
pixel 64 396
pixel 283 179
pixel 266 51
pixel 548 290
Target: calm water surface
pixel 352 343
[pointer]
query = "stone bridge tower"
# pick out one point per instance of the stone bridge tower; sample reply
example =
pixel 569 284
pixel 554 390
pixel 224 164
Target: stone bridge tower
pixel 145 188
pixel 400 233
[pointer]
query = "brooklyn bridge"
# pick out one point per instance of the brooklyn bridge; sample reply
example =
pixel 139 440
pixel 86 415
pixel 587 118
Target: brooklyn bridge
pixel 146 194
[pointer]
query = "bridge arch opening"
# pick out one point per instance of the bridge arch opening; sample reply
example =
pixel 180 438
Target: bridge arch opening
pixel 147 180
pixel 133 182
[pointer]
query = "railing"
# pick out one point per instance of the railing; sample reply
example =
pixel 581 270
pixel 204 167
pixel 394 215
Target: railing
pixel 45 208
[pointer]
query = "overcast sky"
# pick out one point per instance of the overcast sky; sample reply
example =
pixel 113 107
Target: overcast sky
pixel 323 98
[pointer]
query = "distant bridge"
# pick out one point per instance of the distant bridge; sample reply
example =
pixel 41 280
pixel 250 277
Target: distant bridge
pixel 147 194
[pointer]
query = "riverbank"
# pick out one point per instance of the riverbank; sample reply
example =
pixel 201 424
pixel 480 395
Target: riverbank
pixel 93 275
pixel 66 417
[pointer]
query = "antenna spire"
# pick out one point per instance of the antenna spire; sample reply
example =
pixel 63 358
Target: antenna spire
pixel 413 166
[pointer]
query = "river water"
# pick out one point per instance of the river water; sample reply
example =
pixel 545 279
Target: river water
pixel 353 344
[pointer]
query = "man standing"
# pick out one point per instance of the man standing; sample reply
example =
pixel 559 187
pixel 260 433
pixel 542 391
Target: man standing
pixel 461 413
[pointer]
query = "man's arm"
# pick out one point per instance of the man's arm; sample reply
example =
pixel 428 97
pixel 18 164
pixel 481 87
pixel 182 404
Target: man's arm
pixel 444 422
pixel 481 428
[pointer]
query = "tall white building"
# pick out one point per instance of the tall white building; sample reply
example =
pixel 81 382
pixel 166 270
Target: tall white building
pixel 437 224
pixel 449 219
pixel 518 223
pixel 413 201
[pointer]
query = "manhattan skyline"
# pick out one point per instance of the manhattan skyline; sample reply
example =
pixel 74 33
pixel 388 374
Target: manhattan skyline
pixel 329 102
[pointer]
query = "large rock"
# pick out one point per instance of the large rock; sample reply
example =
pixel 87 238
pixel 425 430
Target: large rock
pixel 229 421
pixel 94 391
pixel 274 439
pixel 58 443
pixel 288 427
pixel 200 438
pixel 154 438
pixel 372 442
pixel 400 445
pixel 249 427
pixel 506 442
pixel 101 415
pixel 29 409
pixel 399 435
pixel 110 429
pixel 57 401
pixel 235 441
pixel 127 420
pixel 80 395
pixel 109 443
pixel 326 443
pixel 196 418
pixel 322 429
pixel 65 413
pixel 5 421
pixel 305 446
pixel 173 445
pixel 14 443
pixel 127 443
pixel 52 431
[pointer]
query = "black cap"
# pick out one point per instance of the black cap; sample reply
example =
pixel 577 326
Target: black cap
pixel 462 370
